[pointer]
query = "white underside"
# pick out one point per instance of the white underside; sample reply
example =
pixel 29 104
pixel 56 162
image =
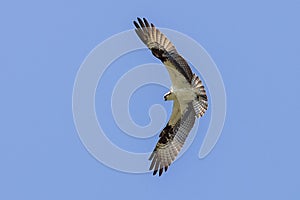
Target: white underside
pixel 180 86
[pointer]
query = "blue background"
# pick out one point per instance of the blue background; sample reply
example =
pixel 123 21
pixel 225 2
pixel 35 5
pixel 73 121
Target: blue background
pixel 256 47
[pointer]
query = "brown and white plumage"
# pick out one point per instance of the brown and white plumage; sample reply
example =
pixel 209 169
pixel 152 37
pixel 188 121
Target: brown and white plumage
pixel 187 92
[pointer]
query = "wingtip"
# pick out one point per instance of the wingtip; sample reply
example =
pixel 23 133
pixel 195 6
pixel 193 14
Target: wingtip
pixel 136 24
pixel 146 22
pixel 160 171
pixel 143 22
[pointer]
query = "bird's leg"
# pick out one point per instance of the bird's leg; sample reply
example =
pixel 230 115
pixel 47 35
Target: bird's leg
pixel 169 96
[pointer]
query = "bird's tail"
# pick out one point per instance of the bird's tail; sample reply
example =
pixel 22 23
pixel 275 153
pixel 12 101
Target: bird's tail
pixel 200 103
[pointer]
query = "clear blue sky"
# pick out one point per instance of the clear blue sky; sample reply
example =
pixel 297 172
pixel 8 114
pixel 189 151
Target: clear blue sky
pixel 256 47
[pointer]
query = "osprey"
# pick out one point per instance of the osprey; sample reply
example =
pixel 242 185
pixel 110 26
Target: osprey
pixel 187 92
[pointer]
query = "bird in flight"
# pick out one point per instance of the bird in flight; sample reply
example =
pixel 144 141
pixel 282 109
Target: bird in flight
pixel 187 93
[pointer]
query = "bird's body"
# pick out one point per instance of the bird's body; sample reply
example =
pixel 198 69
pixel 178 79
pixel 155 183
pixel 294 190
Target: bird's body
pixel 187 93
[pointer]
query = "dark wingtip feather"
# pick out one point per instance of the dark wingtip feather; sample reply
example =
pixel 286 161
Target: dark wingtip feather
pixel 154 172
pixel 152 25
pixel 146 22
pixel 136 24
pixel 141 22
pixel 161 171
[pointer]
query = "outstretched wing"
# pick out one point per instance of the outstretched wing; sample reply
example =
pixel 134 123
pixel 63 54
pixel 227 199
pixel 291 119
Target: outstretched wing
pixel 164 50
pixel 172 137
pixel 184 112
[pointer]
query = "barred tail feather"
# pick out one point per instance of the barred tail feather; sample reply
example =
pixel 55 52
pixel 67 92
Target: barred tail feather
pixel 200 103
